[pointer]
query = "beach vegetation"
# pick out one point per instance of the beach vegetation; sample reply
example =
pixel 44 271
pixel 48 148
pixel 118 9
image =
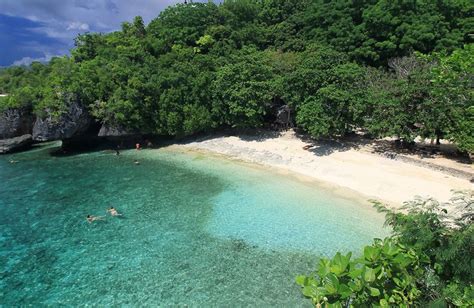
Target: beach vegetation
pixel 426 262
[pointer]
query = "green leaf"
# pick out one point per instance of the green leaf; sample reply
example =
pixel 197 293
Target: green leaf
pixel 310 291
pixel 331 283
pixel 301 280
pixel 381 271
pixel 355 270
pixel 397 281
pixel 369 274
pixel 356 285
pixel 344 291
pixel 339 264
pixel 390 248
pixel 371 253
pixel 324 267
pixel 374 291
pixel 403 260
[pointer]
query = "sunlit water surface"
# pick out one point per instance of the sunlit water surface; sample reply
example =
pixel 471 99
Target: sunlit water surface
pixel 196 230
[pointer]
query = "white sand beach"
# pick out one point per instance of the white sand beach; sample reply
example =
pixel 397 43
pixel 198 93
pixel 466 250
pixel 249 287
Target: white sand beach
pixel 366 173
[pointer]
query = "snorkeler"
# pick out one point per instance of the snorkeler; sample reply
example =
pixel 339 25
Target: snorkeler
pixel 113 211
pixel 91 218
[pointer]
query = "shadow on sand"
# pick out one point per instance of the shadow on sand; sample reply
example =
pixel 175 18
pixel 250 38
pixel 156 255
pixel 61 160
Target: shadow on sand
pixel 323 147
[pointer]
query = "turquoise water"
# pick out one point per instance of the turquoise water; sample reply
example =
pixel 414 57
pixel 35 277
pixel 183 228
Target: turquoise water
pixel 196 230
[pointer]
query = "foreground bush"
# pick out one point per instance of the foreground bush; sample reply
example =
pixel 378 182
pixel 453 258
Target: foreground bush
pixel 426 262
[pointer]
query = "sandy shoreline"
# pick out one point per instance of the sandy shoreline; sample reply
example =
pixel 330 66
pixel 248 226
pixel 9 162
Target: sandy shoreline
pixel 368 174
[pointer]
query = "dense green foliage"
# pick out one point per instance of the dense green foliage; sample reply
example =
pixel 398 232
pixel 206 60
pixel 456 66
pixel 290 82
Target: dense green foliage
pixel 383 276
pixel 392 68
pixel 427 261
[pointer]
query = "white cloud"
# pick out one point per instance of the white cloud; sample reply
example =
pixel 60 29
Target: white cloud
pixel 84 15
pixel 78 26
pixel 29 60
pixel 63 20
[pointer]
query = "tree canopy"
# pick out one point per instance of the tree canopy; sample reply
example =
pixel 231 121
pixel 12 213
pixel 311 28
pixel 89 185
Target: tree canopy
pixel 392 68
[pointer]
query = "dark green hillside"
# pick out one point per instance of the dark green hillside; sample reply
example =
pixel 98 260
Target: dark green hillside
pixel 393 68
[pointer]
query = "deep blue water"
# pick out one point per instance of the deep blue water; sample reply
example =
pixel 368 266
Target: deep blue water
pixel 196 230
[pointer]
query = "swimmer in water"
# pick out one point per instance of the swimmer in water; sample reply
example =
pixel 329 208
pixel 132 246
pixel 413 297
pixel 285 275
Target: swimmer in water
pixel 91 218
pixel 136 162
pixel 113 211
pixel 13 161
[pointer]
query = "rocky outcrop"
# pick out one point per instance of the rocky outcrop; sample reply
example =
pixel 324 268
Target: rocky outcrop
pixel 114 131
pixel 15 143
pixel 75 121
pixel 16 122
pixel 75 127
pixel 284 116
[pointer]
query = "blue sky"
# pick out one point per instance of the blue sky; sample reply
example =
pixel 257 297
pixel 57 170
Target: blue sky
pixel 32 30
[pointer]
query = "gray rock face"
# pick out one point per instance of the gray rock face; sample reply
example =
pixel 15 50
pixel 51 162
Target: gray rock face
pixel 72 123
pixel 16 143
pixel 114 131
pixel 284 116
pixel 15 122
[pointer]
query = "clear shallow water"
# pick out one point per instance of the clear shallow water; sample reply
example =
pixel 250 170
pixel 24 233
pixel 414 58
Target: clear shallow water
pixel 196 230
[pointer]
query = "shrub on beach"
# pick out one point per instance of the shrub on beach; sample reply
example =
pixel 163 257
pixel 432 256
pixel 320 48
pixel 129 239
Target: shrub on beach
pixel 426 261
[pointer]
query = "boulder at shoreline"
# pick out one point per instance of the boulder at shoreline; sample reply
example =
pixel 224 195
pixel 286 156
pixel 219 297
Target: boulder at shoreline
pixel 15 143
pixel 115 131
pixel 16 122
pixel 75 121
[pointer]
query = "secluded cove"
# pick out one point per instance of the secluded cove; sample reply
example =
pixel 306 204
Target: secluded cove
pixel 197 230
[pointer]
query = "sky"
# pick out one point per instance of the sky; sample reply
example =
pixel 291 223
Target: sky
pixel 36 30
